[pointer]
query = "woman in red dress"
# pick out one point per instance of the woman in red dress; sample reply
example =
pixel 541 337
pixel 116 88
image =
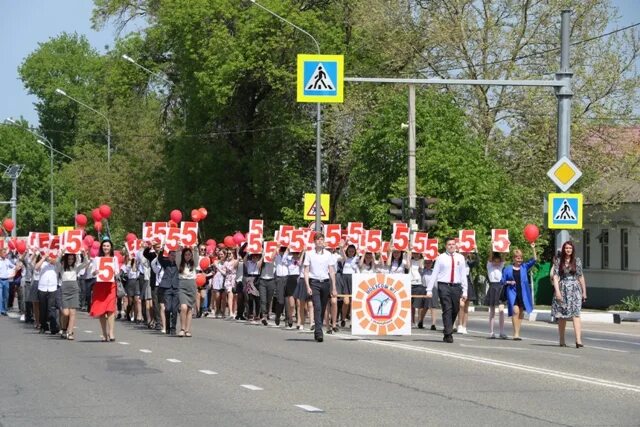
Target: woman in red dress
pixel 103 303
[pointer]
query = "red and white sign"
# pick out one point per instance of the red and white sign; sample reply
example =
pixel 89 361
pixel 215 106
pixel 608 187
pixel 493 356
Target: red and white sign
pixel 297 243
pixel 172 241
pixel 354 231
pixel 255 236
pixel 373 241
pixel 431 251
pixel 32 239
pixel 466 241
pixel 284 236
pixel 419 242
pixel 309 236
pixel 160 230
pixel 332 236
pixel 270 248
pixel 43 240
pixel 147 231
pixel 54 243
pixel 500 240
pixel 71 242
pixel 400 237
pixel 189 234
pixel 106 268
pixel 133 247
pixel 384 254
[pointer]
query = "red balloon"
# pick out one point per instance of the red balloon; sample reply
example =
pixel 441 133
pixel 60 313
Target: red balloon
pixel 8 225
pixel 211 242
pixel 96 215
pixel 93 252
pixel 203 213
pixel 95 245
pixel 175 215
pixel 97 226
pixel 88 240
pixel 81 220
pixel 204 263
pixel 131 237
pixel 531 233
pixel 173 224
pixel 229 242
pixel 21 246
pixel 201 279
pixel 119 257
pixel 195 215
pixel 12 244
pixel 105 211
pixel 239 238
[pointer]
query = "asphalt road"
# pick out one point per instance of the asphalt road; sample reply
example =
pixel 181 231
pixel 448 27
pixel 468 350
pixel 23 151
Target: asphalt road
pixel 236 374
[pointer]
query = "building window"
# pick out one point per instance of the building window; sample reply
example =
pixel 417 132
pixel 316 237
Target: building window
pixel 586 248
pixel 604 248
pixel 624 249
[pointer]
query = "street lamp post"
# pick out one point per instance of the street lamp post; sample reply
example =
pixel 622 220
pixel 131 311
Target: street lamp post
pixel 318 122
pixel 48 144
pixel 63 93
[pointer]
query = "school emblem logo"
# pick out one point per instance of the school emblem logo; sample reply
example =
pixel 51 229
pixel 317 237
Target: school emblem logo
pixel 381 304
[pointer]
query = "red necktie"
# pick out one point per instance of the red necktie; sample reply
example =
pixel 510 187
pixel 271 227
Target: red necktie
pixel 452 268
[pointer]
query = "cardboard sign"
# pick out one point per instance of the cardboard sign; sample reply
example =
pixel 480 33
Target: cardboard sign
pixel 54 243
pixel 147 231
pixel 297 243
pixel 133 247
pixel 400 237
pixel 309 236
pixel 500 240
pixel 354 231
pixel 160 230
pixel 270 248
pixel 466 241
pixel 43 241
pixel 284 235
pixel 332 236
pixel 384 254
pixel 419 242
pixel 106 268
pixel 373 241
pixel 32 240
pixel 189 234
pixel 71 242
pixel 255 236
pixel 172 240
pixel 431 250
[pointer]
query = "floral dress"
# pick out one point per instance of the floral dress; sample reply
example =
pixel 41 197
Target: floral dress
pixel 570 290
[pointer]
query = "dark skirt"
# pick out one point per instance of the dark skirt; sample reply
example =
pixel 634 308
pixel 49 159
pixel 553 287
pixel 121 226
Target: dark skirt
pixel 187 292
pixel 70 294
pixel 494 296
pixel 292 284
pixel 344 284
pixel 419 290
pixel 33 292
pixel 132 288
pixel 301 291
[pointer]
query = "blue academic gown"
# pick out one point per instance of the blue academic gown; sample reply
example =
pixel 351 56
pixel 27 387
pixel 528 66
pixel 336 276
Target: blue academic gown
pixel 507 275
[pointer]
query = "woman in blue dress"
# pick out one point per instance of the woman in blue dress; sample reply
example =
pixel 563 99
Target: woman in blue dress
pixel 515 279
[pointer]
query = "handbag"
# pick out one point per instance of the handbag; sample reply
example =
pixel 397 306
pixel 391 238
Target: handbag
pixel 120 292
pixel 250 287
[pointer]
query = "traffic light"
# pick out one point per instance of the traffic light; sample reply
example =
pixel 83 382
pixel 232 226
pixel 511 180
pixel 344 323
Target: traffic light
pixel 426 215
pixel 398 209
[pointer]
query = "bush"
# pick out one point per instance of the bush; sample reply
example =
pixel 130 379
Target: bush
pixel 629 303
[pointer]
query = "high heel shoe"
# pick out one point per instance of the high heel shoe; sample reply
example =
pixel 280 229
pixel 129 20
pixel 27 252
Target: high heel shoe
pixel 563 345
pixel 579 345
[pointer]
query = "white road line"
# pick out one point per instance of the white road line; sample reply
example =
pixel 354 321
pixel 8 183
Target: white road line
pixel 88 332
pixel 251 387
pixel 207 372
pixel 547 326
pixel 486 347
pixel 309 408
pixel 123 343
pixel 174 360
pixel 145 350
pixel 516 366
pixel 620 341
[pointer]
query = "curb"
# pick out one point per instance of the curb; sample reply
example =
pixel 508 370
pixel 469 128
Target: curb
pixel 608 317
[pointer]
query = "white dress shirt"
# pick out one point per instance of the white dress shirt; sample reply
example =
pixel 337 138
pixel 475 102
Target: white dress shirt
pixel 494 272
pixel 442 271
pixel 319 263
pixel 281 267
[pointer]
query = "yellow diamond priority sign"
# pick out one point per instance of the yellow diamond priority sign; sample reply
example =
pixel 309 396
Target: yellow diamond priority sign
pixel 564 173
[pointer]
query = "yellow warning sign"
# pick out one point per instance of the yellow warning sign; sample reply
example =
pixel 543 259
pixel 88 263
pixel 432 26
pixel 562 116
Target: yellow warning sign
pixel 310 206
pixel 62 229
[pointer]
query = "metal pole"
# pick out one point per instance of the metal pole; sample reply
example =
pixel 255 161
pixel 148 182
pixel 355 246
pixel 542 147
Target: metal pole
pixel 51 206
pixel 14 205
pixel 108 143
pixel 564 95
pixel 412 154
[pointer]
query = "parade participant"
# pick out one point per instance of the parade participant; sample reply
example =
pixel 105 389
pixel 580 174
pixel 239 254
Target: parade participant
pixel 170 284
pixel 367 263
pixel 450 276
pixel 396 263
pixel 415 266
pixel 331 313
pixel 201 292
pixel 281 284
pixel 187 290
pixel 266 288
pixel 304 304
pixel 144 283
pixel 495 293
pixel 293 262
pixel 47 288
pixel 430 304
pixel 319 280
pixel 219 299
pixel 103 302
pixel 150 254
pixel 350 265
pixel 27 280
pixel 251 294
pixel 234 284
pixel 570 292
pixel 131 303
pixel 69 268
pixel 463 314
pixel 33 294
pixel 7 272
pixel 518 290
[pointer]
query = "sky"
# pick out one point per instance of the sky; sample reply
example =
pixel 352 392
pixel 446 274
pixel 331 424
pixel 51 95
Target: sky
pixel 25 23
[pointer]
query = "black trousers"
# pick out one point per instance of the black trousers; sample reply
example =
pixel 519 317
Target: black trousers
pixel 320 296
pixel 171 307
pixel 48 311
pixel 281 284
pixel 266 287
pixel 156 306
pixel 450 303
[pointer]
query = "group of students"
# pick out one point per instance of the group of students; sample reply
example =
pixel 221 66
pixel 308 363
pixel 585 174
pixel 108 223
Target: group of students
pixel 160 288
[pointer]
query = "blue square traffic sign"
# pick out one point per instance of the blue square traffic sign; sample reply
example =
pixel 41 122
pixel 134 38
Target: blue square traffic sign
pixel 565 211
pixel 320 78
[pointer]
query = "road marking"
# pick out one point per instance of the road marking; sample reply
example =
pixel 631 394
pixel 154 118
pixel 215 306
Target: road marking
pixel 251 387
pixel 123 343
pixel 620 341
pixel 207 372
pixel 516 366
pixel 145 350
pixel 552 326
pixel 309 408
pixel 88 332
pixel 486 347
pixel 174 361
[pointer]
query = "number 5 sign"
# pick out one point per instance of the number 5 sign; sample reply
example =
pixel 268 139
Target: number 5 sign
pixel 71 241
pixel 500 240
pixel 466 240
pixel 106 268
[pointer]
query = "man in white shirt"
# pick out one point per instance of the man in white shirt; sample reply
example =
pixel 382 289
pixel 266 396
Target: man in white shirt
pixel 7 272
pixel 320 280
pixel 449 272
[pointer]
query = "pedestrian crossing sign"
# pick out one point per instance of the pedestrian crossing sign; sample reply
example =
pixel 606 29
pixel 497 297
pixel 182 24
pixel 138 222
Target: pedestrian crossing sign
pixel 565 211
pixel 320 78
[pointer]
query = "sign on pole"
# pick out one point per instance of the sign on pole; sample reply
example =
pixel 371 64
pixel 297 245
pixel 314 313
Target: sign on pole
pixel 564 173
pixel 310 206
pixel 320 78
pixel 565 211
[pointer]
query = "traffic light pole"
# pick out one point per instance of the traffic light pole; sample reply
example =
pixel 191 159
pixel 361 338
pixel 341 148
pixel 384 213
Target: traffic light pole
pixel 412 155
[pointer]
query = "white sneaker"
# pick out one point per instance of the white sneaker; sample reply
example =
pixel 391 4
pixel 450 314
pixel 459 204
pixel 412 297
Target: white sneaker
pixel 462 330
pixel 22 317
pixel 300 328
